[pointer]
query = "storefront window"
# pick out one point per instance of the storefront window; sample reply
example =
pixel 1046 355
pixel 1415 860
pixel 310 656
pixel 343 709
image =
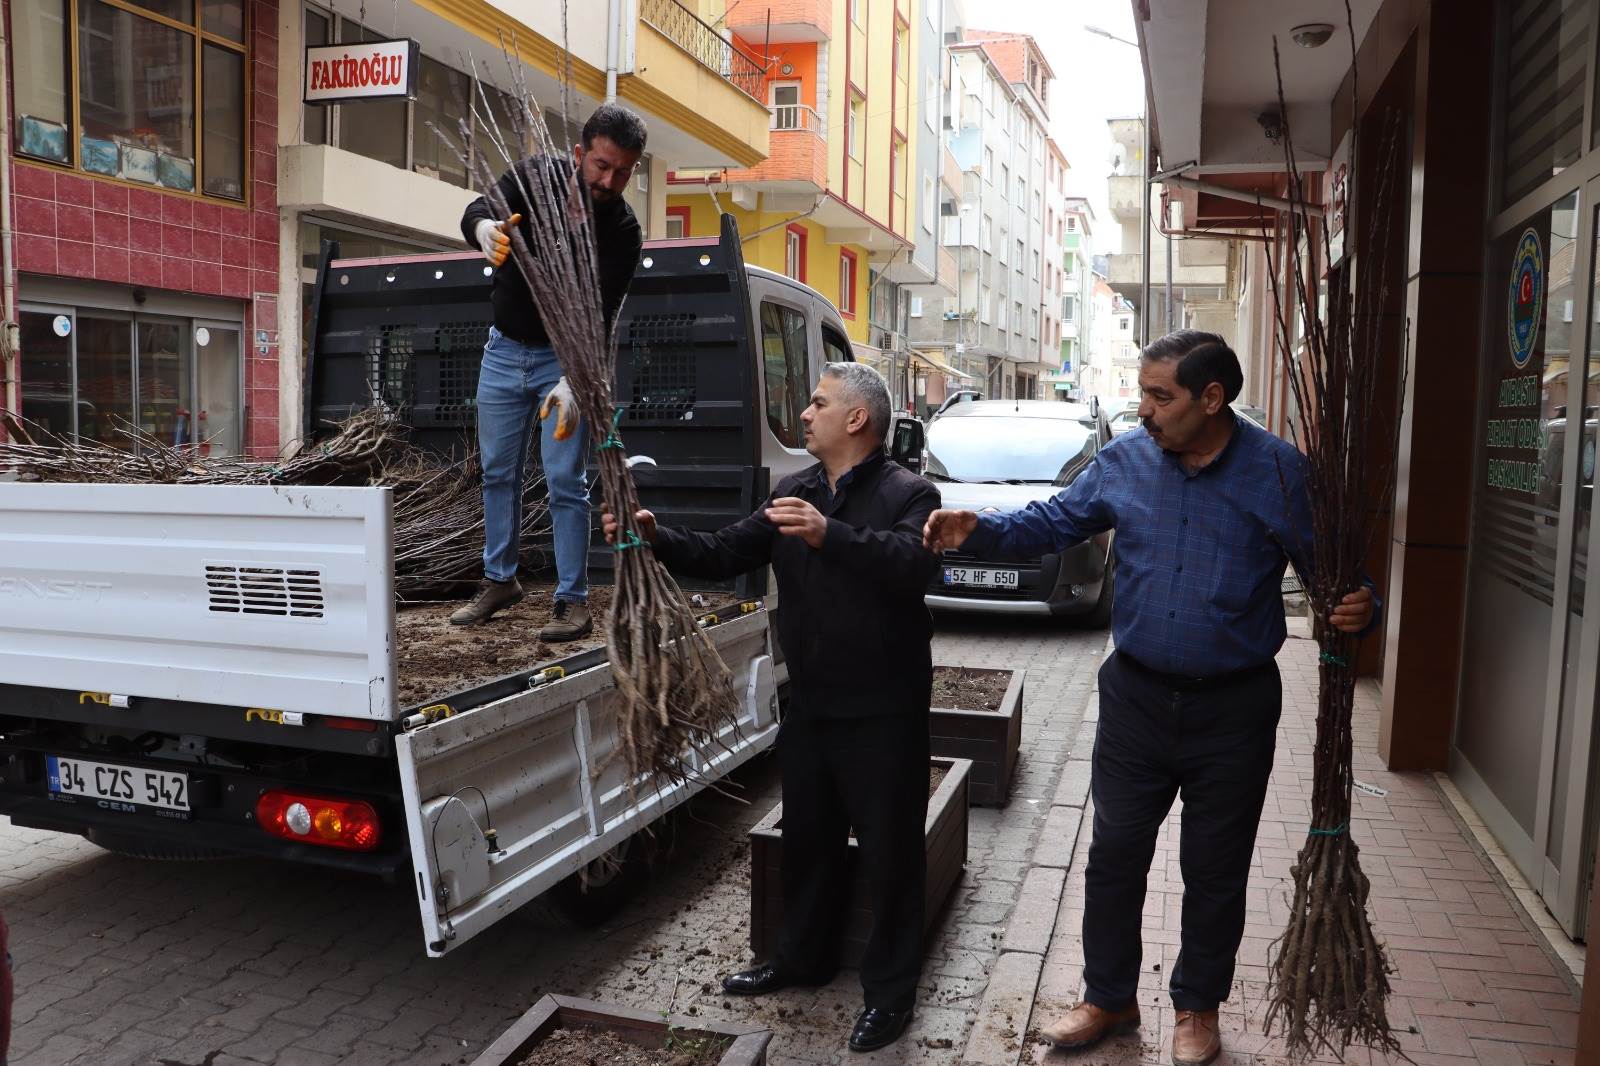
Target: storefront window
pixel 405 133
pixel 1542 107
pixel 136 77
pixel 43 74
pixel 373 128
pixel 135 116
pixel 316 116
pixel 224 122
pixel 225 18
pixel 442 98
pixel 112 377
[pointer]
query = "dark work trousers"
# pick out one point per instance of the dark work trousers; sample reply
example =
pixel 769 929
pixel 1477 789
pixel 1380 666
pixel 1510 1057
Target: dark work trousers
pixel 869 775
pixel 1159 738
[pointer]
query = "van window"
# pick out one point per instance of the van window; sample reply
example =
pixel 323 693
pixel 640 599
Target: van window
pixel 783 355
pixel 836 349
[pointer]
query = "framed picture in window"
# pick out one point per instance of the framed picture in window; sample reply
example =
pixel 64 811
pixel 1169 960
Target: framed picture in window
pixel 99 155
pixel 139 164
pixel 43 140
pixel 174 172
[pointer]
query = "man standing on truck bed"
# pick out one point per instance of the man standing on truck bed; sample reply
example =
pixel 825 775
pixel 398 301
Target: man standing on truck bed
pixel 521 382
pixel 844 539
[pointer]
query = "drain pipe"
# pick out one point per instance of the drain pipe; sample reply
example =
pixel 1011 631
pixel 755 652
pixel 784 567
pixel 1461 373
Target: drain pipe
pixel 8 293
pixel 613 47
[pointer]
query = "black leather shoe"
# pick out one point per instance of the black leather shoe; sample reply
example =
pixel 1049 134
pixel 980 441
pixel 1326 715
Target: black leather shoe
pixel 878 1028
pixel 759 980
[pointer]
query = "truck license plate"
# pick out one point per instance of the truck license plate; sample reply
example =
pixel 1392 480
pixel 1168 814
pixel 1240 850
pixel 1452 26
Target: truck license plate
pixel 982 579
pixel 119 784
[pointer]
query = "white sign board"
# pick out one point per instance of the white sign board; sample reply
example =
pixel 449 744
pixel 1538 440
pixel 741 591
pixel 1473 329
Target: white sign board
pixel 369 71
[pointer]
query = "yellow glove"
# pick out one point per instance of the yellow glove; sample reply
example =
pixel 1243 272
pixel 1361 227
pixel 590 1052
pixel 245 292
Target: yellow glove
pixel 493 239
pixel 560 398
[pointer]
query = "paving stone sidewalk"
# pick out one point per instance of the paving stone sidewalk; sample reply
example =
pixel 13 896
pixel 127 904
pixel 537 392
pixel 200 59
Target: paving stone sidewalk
pixel 1477 981
pixel 245 962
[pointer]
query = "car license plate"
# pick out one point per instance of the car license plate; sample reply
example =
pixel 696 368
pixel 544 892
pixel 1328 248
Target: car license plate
pixel 119 784
pixel 982 579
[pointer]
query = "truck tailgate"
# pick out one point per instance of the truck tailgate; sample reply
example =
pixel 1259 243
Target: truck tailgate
pixel 251 596
pixel 536 768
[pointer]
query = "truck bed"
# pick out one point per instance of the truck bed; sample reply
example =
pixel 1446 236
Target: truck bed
pixel 435 658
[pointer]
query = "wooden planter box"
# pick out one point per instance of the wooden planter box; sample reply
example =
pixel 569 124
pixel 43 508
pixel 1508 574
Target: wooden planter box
pixel 748 1045
pixel 945 836
pixel 989 739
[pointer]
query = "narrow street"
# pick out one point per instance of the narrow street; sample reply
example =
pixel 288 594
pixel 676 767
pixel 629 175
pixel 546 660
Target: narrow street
pixel 239 961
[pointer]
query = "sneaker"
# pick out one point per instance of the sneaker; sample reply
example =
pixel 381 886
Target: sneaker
pixel 493 597
pixel 568 621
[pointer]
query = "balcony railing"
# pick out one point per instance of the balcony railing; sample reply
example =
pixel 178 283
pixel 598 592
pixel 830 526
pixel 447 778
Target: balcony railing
pixel 686 30
pixel 796 117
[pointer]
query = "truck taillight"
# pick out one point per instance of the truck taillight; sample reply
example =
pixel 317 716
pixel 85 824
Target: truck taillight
pixel 332 823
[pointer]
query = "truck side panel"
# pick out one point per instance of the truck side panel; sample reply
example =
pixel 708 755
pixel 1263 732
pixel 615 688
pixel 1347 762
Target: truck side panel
pixel 539 770
pixel 279 598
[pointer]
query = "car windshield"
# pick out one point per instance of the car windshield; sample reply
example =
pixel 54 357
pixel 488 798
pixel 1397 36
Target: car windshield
pixel 1014 450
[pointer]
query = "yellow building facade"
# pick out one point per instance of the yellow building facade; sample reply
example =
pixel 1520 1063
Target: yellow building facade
pixel 835 195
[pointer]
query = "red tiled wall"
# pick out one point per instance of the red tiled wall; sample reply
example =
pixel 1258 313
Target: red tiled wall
pixel 71 225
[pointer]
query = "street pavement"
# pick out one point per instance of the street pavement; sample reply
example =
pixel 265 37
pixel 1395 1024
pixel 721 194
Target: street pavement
pixel 240 961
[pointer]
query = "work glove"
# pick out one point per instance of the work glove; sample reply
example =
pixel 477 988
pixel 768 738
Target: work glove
pixel 493 240
pixel 560 398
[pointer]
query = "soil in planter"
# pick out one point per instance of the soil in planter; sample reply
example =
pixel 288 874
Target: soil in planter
pixel 960 689
pixel 601 1047
pixel 436 658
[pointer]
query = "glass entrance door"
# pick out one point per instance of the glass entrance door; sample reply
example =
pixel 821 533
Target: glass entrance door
pixel 1562 830
pixel 219 361
pixel 166 379
pixel 105 378
pixel 45 334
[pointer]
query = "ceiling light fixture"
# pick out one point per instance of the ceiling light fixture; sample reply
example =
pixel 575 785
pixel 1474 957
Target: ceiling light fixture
pixel 1312 34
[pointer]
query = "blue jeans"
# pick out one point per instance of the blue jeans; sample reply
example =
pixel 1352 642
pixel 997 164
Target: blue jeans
pixel 512 383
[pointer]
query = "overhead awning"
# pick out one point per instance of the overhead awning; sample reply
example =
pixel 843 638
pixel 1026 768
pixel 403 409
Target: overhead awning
pixel 933 362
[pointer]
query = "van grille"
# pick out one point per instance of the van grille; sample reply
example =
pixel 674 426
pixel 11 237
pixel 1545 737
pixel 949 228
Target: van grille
pixel 265 590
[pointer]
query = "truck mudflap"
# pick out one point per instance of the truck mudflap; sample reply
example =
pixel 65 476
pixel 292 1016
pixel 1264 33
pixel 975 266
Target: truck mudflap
pixel 505 800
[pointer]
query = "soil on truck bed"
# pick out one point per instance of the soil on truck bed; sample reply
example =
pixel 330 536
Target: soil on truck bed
pixel 436 658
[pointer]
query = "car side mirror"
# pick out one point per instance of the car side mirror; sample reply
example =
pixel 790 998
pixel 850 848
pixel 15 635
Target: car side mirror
pixel 907 439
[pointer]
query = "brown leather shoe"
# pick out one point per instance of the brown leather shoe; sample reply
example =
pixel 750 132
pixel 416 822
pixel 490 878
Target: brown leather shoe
pixel 1196 1041
pixel 492 597
pixel 1086 1024
pixel 568 621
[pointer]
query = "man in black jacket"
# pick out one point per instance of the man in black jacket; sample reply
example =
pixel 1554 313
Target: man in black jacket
pixel 844 540
pixel 521 375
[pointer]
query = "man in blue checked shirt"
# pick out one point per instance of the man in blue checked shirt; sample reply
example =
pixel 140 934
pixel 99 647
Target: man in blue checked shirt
pixel 1208 509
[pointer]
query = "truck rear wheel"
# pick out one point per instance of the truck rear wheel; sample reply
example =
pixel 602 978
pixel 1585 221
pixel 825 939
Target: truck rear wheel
pixel 138 846
pixel 597 892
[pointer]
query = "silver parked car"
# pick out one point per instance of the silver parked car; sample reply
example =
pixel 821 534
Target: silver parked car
pixel 1001 455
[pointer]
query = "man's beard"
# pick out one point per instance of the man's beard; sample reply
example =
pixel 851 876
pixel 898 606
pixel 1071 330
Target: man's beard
pixel 600 194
